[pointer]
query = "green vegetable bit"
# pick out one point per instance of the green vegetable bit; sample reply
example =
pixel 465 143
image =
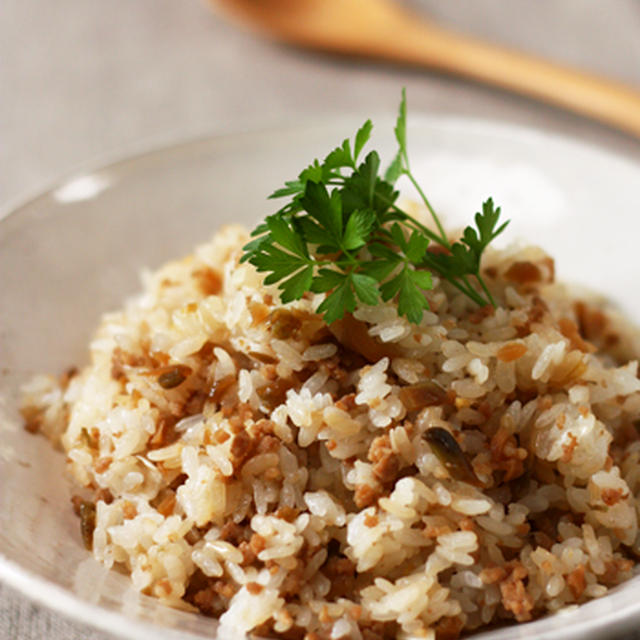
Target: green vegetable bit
pixel 342 234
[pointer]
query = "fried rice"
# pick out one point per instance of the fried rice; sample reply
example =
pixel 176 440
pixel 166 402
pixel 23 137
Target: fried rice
pixel 369 479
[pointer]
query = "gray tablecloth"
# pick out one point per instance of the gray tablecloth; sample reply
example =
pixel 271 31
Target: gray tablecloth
pixel 86 80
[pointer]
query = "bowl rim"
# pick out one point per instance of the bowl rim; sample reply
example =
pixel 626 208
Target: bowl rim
pixel 165 145
pixel 59 600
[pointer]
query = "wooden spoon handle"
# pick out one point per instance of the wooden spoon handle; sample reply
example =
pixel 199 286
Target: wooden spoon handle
pixel 421 44
pixel 383 30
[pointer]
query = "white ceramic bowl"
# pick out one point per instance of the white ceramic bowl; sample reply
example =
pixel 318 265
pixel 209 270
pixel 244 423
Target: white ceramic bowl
pixel 75 252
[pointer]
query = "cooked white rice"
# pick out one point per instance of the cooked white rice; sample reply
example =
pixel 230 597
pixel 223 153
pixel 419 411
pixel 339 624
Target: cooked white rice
pixel 240 457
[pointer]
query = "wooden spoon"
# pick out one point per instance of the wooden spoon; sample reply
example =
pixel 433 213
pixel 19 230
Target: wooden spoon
pixel 384 30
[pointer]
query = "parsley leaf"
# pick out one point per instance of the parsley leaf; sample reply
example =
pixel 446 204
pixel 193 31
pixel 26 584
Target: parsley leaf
pixel 408 285
pixel 340 301
pixel 285 236
pixel 339 157
pixel 362 137
pixel 297 285
pixel 326 280
pixel 358 228
pixel 393 172
pixel 366 288
pixel 416 247
pixel 325 208
pixel 401 128
pixel 279 263
pixel 341 234
pixel 486 224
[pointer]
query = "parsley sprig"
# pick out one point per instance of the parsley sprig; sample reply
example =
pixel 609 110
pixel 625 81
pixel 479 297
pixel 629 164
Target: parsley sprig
pixel 341 233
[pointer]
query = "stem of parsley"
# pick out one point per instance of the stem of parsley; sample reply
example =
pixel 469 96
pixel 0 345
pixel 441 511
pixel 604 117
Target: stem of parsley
pixel 443 236
pixel 464 286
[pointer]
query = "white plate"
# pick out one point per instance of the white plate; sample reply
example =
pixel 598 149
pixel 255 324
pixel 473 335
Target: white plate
pixel 75 252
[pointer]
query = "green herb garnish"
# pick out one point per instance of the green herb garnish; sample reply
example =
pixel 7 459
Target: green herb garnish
pixel 342 234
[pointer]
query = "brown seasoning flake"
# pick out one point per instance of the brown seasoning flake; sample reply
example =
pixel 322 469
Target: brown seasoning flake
pixel 523 273
pixel 257 543
pixel 165 586
pixel 241 445
pixel 370 520
pixel 515 597
pixel 449 628
pixel 479 314
pixel 386 463
pixel 289 514
pixel 129 510
pixel 613 496
pixel 365 495
pixel 254 588
pixel 209 281
pixel 259 313
pixel 167 503
pixel 324 616
pixel 248 556
pixel 576 582
pixel 568 448
pixel 355 612
pixel 569 329
pixel 491 575
pixel 102 464
pixel 220 436
pixel 32 417
pixel 511 351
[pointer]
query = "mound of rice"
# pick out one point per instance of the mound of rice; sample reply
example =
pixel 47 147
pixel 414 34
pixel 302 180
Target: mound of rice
pixel 372 479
